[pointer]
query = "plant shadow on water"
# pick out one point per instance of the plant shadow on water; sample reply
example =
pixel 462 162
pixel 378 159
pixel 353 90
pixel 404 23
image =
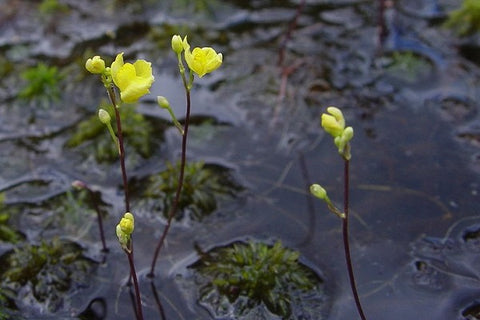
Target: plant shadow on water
pixel 256 140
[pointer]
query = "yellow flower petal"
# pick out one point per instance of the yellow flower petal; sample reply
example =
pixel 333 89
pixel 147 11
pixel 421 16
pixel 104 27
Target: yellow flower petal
pixel 133 80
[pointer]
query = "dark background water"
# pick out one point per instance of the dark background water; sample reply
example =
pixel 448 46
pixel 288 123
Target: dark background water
pixel 414 172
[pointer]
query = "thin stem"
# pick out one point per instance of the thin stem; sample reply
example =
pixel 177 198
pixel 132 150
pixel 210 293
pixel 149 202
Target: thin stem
pixel 174 207
pixel 111 95
pixel 133 275
pixel 346 242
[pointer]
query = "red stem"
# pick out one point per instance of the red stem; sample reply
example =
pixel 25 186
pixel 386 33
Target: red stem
pixel 346 242
pixel 174 207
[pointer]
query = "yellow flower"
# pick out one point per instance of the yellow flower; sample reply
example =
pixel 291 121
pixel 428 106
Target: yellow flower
pixel 133 80
pixel 201 60
pixel 333 123
pixel 95 65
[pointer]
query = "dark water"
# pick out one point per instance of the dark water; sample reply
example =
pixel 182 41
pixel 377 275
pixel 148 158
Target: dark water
pixel 414 172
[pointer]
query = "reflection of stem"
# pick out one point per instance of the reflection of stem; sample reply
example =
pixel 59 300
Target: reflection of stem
pixel 133 274
pixel 99 218
pixel 111 95
pixel 346 242
pixel 157 300
pixel 173 208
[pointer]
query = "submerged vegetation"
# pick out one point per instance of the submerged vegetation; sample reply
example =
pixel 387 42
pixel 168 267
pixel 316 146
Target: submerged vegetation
pixel 45 272
pixel 247 275
pixel 137 131
pixel 42 84
pixel 204 187
pixel 466 19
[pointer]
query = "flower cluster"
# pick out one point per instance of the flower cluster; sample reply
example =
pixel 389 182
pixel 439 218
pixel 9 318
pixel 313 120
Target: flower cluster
pixel 200 60
pixel 133 80
pixel 333 122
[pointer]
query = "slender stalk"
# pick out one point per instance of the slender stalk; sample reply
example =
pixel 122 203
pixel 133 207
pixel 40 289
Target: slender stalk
pixel 133 275
pixel 111 95
pixel 346 242
pixel 174 207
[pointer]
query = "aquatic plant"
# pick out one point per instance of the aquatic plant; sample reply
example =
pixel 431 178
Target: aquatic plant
pixel 42 84
pixel 466 19
pixel 254 273
pixel 203 187
pixel 200 61
pixel 133 81
pixel 46 271
pixel 333 123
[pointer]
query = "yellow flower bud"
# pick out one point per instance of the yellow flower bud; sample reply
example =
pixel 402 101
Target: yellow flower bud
pixel 177 44
pixel 127 223
pixel 133 80
pixel 104 116
pixel 333 123
pixel 201 60
pixel 95 65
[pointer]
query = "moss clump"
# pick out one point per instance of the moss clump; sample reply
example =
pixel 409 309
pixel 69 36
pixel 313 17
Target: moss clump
pixel 203 187
pixel 466 19
pixel 46 271
pixel 42 84
pixel 137 133
pixel 250 274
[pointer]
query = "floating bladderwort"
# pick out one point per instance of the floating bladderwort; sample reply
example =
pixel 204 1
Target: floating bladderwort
pixel 333 123
pixel 200 61
pixel 133 81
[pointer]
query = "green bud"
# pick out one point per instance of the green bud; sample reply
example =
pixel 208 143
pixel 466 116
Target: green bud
pixel 104 116
pixel 163 102
pixel 177 44
pixel 318 191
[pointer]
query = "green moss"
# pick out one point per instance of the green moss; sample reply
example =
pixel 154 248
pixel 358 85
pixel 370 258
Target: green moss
pixel 42 84
pixel 466 19
pixel 254 273
pixel 203 187
pixel 47 271
pixel 7 233
pixel 137 133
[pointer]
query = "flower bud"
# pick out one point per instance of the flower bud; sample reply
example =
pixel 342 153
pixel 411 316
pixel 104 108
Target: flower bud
pixel 333 123
pixel 95 65
pixel 104 116
pixel 163 102
pixel 127 223
pixel 318 191
pixel 177 44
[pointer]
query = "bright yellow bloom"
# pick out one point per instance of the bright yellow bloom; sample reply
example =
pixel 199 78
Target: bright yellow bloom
pixel 133 80
pixel 333 123
pixel 95 65
pixel 201 60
